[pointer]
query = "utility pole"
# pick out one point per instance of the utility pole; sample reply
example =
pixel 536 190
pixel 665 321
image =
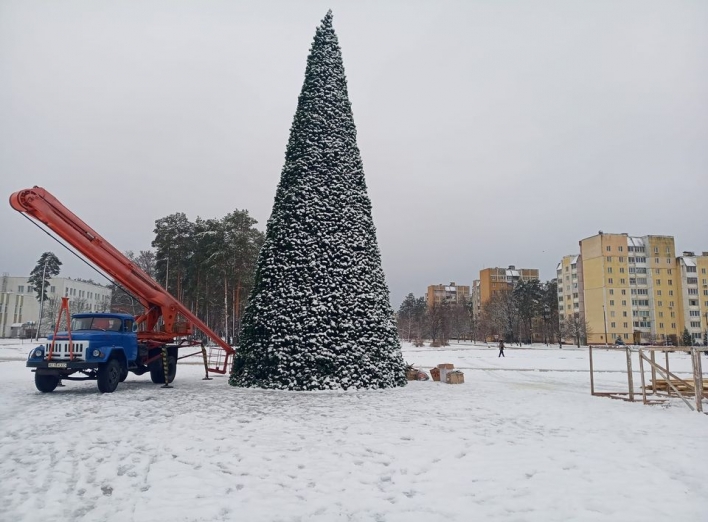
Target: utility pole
pixel 41 301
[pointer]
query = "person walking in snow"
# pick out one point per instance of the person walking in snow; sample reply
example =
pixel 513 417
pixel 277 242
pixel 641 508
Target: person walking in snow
pixel 501 349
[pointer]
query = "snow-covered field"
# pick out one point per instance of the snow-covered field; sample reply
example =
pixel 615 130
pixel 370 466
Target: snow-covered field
pixel 521 440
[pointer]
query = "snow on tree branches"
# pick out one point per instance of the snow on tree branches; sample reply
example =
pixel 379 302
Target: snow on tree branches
pixel 319 315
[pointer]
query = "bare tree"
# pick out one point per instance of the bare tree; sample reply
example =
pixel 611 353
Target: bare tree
pixel 145 260
pixel 577 328
pixel 439 321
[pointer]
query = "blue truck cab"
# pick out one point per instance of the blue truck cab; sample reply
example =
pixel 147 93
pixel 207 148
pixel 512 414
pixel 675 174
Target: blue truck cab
pixel 103 346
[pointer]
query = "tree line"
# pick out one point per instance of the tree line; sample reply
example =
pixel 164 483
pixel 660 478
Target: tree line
pixel 525 313
pixel 207 264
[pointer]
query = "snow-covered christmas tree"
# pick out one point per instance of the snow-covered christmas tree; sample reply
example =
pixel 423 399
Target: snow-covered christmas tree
pixel 319 315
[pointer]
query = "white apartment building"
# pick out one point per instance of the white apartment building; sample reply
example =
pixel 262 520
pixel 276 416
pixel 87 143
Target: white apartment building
pixel 19 308
pixel 694 282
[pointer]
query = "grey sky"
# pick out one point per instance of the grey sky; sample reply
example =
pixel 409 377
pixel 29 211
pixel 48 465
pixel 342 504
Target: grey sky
pixel 492 133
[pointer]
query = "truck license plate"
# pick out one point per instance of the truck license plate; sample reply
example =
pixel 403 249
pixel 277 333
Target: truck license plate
pixel 56 365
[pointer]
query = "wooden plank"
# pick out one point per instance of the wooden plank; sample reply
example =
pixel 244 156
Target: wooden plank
pixel 592 375
pixel 661 370
pixel 698 378
pixel 641 370
pixel 630 378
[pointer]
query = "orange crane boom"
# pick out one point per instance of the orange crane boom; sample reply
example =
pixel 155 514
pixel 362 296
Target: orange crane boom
pixel 42 206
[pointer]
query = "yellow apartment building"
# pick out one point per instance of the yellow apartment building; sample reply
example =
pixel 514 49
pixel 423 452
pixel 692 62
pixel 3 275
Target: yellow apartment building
pixel 451 293
pixel 629 288
pixel 493 280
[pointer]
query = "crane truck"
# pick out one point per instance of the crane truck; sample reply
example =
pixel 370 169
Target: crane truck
pixel 107 346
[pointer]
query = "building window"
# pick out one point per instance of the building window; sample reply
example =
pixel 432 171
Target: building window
pixel 608 248
pixel 623 281
pixel 612 313
pixel 624 314
pixel 624 302
pixel 620 248
pixel 673 326
pixel 613 325
pixel 695 324
pixel 658 282
pixel 668 261
pixel 668 271
pixel 624 292
pixel 612 302
pixel 656 250
pixel 656 260
pixel 671 292
pixel 609 280
pixel 659 303
pixel 658 292
pixel 609 269
pixel 612 291
pixel 661 325
pixel 621 270
pixel 21 289
pixel 625 325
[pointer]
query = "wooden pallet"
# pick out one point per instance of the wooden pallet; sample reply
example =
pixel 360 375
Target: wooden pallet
pixel 663 385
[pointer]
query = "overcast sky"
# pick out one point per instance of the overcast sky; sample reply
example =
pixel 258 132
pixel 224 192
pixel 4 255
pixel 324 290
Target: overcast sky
pixel 492 133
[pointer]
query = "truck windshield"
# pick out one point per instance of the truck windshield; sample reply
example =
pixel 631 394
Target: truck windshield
pixel 96 323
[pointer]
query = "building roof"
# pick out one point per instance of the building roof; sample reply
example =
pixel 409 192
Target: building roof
pixel 689 261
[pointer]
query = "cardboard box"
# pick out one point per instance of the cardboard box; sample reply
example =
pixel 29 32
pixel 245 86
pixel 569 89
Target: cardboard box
pixel 412 374
pixel 435 373
pixel 444 368
pixel 454 377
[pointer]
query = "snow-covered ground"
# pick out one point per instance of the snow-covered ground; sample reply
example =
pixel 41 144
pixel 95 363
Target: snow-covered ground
pixel 521 440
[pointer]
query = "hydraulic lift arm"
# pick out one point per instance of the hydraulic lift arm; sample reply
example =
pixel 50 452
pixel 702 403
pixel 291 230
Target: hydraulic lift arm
pixel 42 206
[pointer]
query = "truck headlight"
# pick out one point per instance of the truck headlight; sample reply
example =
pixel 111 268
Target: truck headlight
pixel 97 353
pixel 38 352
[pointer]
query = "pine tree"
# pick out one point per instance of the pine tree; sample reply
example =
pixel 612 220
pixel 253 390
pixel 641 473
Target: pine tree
pixel 686 339
pixel 47 266
pixel 319 315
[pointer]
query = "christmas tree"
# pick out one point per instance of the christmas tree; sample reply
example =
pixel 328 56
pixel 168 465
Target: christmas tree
pixel 319 315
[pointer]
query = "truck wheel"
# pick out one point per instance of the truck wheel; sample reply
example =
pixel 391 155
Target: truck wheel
pixel 157 373
pixel 46 383
pixel 109 376
pixel 123 374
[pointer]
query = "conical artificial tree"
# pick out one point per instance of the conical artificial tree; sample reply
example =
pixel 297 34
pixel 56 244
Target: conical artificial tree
pixel 319 315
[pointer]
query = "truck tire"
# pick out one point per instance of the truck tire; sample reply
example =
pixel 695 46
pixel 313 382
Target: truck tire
pixel 123 374
pixel 157 373
pixel 46 383
pixel 109 376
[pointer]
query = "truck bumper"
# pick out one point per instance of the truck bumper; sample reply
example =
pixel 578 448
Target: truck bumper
pixel 61 365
